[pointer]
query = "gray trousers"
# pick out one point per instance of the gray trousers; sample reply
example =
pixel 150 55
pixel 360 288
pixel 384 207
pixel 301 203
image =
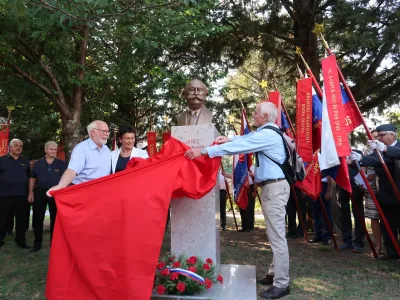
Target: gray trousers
pixel 274 198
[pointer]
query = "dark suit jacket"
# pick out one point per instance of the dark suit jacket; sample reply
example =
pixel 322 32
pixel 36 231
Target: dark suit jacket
pixel 393 152
pixel 386 194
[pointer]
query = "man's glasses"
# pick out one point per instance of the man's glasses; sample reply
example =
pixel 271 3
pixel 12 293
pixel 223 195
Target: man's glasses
pixel 381 135
pixel 104 131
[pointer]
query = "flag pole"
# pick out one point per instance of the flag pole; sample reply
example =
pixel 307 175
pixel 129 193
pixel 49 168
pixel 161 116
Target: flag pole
pixel 318 31
pixel 378 206
pixel 229 196
pixel 316 85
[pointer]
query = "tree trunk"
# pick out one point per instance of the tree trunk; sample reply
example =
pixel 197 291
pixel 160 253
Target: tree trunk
pixel 71 133
pixel 304 23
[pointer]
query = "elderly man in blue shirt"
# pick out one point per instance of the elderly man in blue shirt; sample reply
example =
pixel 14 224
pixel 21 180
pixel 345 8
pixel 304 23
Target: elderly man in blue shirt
pixel 90 159
pixel 275 190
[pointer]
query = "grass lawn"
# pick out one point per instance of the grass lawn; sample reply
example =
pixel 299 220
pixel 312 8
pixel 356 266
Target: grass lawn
pixel 317 272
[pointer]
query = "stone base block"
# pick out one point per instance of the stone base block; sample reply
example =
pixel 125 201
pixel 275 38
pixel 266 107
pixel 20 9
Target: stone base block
pixel 239 284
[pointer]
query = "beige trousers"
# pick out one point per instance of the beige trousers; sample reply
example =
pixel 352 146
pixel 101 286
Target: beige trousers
pixel 274 198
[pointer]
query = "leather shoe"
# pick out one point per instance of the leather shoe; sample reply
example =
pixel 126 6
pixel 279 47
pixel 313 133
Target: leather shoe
pixel 275 293
pixel 316 240
pixel 242 230
pixel 35 248
pixel 24 246
pixel 267 280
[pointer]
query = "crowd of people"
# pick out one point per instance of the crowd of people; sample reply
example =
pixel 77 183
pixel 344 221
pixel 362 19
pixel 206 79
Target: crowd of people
pixel 21 185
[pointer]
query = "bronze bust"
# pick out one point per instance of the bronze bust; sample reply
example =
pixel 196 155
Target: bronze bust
pixel 195 93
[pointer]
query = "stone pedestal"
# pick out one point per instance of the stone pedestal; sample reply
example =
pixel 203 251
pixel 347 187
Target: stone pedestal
pixel 195 224
pixel 239 284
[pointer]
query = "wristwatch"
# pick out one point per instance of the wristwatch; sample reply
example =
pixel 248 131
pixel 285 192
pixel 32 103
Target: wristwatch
pixel 203 151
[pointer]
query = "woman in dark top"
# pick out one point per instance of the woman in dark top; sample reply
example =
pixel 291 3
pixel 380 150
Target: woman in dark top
pixel 121 156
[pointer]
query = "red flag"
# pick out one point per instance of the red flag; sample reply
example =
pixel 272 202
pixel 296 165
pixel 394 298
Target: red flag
pixel 304 126
pixel 166 136
pixel 335 106
pixel 311 185
pixel 109 231
pixel 151 143
pixel 275 98
pixel 61 151
pixel 353 118
pixel 4 133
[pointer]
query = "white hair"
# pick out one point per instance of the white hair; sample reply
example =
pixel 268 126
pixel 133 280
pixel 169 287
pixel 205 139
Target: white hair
pixel 91 126
pixel 49 143
pixel 269 109
pixel 13 141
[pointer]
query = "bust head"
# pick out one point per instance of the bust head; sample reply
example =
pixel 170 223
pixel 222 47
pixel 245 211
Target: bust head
pixel 195 93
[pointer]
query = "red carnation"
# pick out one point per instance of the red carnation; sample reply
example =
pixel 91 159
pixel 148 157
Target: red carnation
pixel 165 272
pixel 176 264
pixel 160 265
pixel 208 283
pixel 192 260
pixel 180 287
pixel 192 269
pixel 173 276
pixel 209 261
pixel 220 279
pixel 206 267
pixel 160 289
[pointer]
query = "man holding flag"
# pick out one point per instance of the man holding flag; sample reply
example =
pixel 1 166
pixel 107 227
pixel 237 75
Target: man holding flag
pixel 274 188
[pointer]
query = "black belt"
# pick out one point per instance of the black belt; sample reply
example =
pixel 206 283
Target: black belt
pixel 262 183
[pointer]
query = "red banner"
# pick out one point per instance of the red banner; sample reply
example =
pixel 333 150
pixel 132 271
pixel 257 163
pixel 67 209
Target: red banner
pixel 304 139
pixel 151 143
pixel 100 250
pixel 311 185
pixel 275 98
pixel 61 151
pixel 4 132
pixel 166 136
pixel 335 105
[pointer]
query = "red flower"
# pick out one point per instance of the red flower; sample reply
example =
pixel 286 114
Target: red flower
pixel 209 261
pixel 220 279
pixel 173 276
pixel 208 283
pixel 160 265
pixel 171 258
pixel 206 267
pixel 176 264
pixel 160 289
pixel 165 272
pixel 180 287
pixel 192 269
pixel 192 260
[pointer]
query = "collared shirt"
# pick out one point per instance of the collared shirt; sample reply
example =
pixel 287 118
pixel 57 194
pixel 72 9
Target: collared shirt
pixel 266 141
pixel 14 176
pixel 48 175
pixel 221 177
pixel 252 169
pixel 89 162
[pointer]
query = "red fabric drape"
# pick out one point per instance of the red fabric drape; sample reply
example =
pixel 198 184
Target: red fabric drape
pixel 109 231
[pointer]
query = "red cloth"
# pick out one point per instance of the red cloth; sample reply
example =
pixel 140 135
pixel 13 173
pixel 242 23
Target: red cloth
pixel 109 231
pixel 311 185
pixel 304 135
